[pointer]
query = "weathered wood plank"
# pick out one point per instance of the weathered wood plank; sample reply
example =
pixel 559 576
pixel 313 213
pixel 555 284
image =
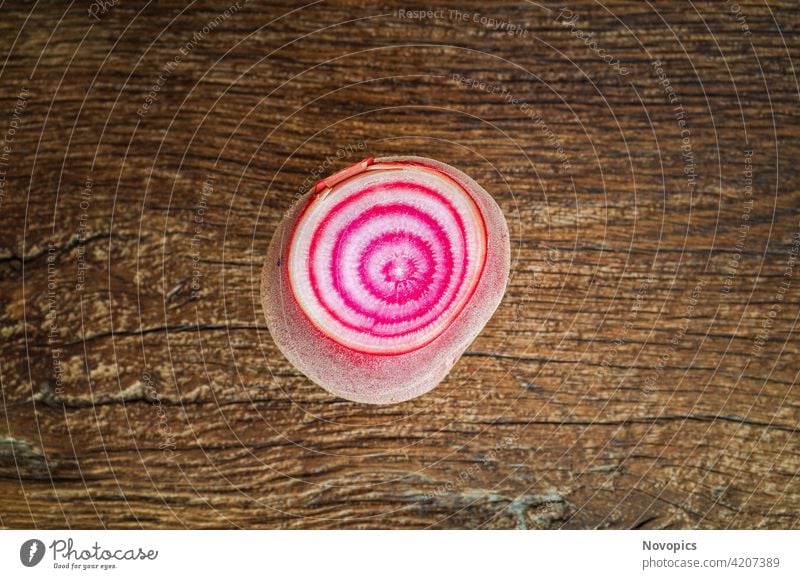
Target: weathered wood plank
pixel 641 371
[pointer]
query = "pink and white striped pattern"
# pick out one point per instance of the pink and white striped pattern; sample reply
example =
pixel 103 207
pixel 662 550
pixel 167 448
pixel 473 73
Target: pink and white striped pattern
pixel 383 262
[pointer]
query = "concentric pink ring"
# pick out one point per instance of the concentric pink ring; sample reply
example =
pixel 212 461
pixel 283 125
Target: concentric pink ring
pixel 407 252
pixel 444 263
pixel 383 262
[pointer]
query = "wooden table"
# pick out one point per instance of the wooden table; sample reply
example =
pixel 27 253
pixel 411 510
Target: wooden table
pixel 641 371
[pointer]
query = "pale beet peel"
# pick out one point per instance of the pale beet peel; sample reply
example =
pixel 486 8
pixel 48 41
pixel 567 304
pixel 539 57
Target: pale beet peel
pixel 376 281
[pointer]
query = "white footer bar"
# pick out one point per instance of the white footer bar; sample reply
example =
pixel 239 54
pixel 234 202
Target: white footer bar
pixel 401 554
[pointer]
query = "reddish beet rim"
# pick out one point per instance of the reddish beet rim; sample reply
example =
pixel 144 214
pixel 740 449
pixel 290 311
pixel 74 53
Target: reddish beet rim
pixel 453 316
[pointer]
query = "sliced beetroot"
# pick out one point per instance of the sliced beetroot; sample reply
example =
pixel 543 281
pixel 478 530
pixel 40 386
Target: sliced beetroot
pixel 377 280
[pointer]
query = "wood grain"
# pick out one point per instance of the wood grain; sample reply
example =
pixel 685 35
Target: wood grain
pixel 640 373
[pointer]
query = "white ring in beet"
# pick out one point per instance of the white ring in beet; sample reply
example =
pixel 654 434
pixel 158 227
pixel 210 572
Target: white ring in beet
pixel 377 280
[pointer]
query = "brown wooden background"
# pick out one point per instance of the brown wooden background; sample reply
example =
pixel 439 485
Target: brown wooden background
pixel 619 385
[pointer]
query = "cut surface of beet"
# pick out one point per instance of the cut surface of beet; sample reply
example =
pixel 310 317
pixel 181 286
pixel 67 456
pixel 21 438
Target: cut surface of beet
pixel 379 278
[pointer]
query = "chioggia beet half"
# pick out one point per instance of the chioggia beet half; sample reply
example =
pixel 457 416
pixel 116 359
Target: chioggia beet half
pixel 378 279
